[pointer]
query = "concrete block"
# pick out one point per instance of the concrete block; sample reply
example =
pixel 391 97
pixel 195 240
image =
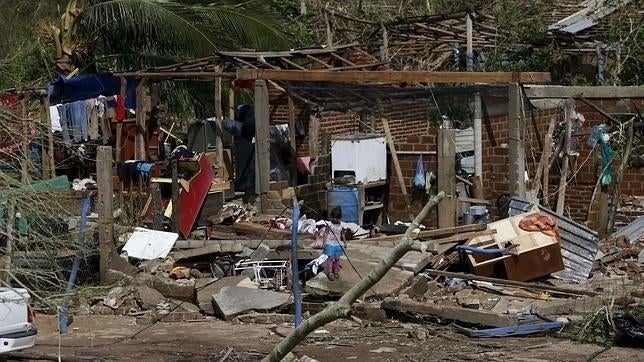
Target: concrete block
pixel 232 301
pixel 178 289
pixel 207 287
pixel 148 297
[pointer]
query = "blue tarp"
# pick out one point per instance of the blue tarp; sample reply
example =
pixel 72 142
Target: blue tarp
pixel 86 86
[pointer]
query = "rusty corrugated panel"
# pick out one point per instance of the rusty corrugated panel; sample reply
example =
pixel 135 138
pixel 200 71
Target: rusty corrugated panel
pixel 578 243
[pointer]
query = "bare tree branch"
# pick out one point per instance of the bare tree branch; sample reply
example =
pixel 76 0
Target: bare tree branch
pixel 342 308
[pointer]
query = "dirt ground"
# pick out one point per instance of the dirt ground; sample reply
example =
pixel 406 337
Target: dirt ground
pixel 110 338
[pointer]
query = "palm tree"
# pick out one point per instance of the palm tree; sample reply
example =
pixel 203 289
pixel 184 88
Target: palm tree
pixel 118 34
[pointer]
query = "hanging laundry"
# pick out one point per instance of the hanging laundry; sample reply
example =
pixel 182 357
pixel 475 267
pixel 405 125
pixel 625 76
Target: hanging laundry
pixel 103 120
pixel 54 117
pixel 119 109
pixel 65 123
pixel 78 121
pixel 92 119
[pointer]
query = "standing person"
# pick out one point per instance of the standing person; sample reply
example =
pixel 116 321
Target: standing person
pixel 243 128
pixel 332 247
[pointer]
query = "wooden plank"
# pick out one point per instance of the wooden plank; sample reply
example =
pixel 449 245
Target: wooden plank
pixel 620 175
pixel 443 311
pixel 563 180
pixel 48 157
pixel 427 234
pixel 292 134
pixel 262 146
pixel 446 174
pixel 473 200
pixel 555 91
pixel 219 114
pixel 139 139
pixel 514 283
pixel 399 174
pixel 516 153
pixel 175 196
pixel 105 207
pixel 543 168
pixel 395 76
pixel 260 230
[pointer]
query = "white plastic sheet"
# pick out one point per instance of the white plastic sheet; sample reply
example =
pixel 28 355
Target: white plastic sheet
pixel 149 244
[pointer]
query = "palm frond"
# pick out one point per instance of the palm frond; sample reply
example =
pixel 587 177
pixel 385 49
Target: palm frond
pixel 146 25
pixel 252 24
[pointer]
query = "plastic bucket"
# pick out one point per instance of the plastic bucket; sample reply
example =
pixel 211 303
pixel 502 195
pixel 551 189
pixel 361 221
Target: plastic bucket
pixel 347 199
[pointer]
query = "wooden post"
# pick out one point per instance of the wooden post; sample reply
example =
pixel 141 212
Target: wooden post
pixel 446 175
pixel 329 32
pixel 119 125
pixel 175 196
pixel 569 108
pixel 11 219
pixel 545 156
pixel 399 174
pixel 25 162
pixel 478 140
pixel 50 138
pixel 292 134
pixel 262 145
pixel 384 50
pixel 105 208
pixel 469 52
pixel 231 102
pixel 219 114
pixel 139 139
pixel 314 135
pixel 231 115
pixel 516 152
pixel 620 176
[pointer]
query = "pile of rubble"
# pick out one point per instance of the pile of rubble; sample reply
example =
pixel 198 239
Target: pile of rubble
pixel 515 276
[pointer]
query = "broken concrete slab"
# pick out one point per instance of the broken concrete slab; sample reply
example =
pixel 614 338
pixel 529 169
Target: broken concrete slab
pixel 207 287
pixel 389 285
pixel 182 289
pixel 417 288
pixel 369 311
pixel 232 301
pixel 473 316
pixel 265 318
pixel 149 297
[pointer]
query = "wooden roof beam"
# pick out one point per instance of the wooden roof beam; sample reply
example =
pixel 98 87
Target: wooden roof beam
pixel 395 76
pixel 293 64
pixel 319 61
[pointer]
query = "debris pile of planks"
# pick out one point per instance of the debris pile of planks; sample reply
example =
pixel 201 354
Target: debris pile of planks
pixel 515 273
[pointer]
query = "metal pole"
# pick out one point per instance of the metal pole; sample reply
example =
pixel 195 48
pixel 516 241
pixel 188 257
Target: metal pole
pixel 295 280
pixel 62 313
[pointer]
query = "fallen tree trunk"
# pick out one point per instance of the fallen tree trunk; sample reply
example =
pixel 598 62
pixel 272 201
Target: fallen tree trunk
pixel 342 308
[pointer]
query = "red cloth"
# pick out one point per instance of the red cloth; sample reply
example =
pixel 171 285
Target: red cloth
pixel 239 84
pixel 119 112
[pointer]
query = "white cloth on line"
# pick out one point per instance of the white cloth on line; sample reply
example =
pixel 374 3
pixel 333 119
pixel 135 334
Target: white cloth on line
pixel 54 116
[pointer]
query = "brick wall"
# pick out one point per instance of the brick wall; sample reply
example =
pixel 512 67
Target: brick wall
pixel 408 123
pixel 586 167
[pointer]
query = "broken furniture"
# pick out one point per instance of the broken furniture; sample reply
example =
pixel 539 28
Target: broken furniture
pixel 534 253
pixel 261 270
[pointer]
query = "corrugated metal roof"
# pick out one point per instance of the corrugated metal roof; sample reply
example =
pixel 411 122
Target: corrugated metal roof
pixel 578 243
pixel 632 231
pixel 593 11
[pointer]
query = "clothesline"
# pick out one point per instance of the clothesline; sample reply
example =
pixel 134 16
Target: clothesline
pixel 85 120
